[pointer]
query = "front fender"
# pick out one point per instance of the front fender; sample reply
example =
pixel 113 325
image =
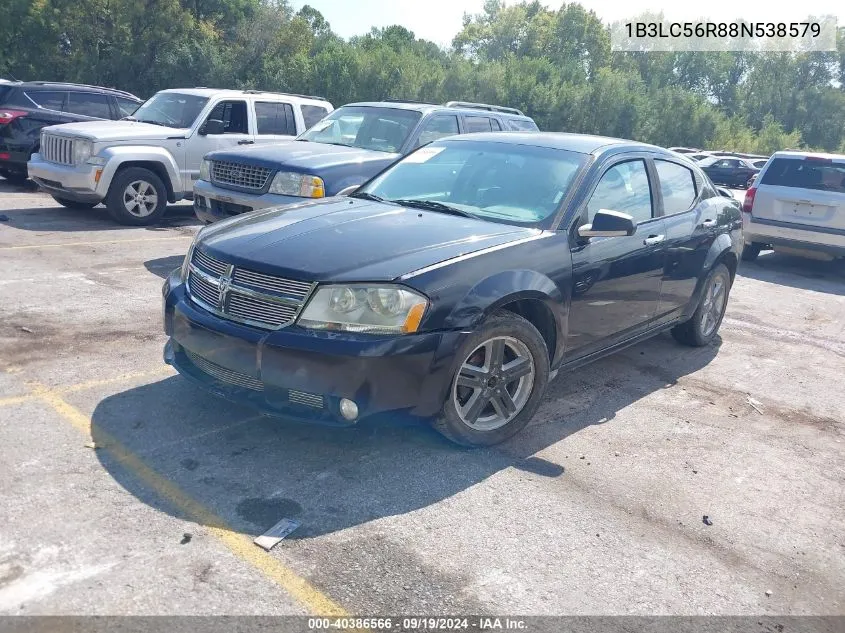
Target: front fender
pixel 121 154
pixel 493 292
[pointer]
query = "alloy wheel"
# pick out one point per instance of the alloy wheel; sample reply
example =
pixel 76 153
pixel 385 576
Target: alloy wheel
pixel 494 383
pixel 715 297
pixel 140 198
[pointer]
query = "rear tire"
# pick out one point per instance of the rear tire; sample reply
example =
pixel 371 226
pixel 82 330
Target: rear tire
pixel 14 177
pixel 751 251
pixel 702 327
pixel 499 377
pixel 137 197
pixel 75 204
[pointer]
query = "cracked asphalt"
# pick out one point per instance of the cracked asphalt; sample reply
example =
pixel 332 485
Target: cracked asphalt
pixel 125 490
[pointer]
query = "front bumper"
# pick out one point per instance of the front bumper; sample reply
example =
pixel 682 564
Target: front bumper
pixel 77 182
pixel 792 235
pixel 212 203
pixel 303 374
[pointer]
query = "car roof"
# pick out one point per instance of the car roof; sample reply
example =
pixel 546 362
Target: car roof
pixel 213 92
pixel 580 143
pixel 61 85
pixel 418 106
pixel 800 154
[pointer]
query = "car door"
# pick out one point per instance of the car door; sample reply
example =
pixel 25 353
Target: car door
pixel 690 212
pixel 236 130
pixel 616 280
pixel 274 122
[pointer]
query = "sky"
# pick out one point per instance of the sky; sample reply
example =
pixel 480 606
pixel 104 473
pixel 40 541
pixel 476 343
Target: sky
pixel 440 20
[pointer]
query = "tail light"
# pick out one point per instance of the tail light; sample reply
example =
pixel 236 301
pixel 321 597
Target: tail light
pixel 7 116
pixel 748 203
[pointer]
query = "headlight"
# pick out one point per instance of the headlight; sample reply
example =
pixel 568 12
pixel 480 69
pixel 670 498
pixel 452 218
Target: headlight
pixel 205 170
pixel 363 308
pixel 289 183
pixel 82 150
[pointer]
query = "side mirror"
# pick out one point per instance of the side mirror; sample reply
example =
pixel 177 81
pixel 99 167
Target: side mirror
pixel 347 190
pixel 212 126
pixel 724 192
pixel 607 223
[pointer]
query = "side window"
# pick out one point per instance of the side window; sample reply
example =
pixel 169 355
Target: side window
pixel 126 106
pixel 233 115
pixel 477 124
pixel 88 104
pixel 677 184
pixel 312 114
pixel 274 118
pixel 50 99
pixel 496 126
pixel 721 164
pixel 437 127
pixel 733 164
pixel 625 188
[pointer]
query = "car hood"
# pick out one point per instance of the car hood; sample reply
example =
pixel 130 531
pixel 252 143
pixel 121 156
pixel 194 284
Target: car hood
pixel 346 239
pixel 100 131
pixel 305 156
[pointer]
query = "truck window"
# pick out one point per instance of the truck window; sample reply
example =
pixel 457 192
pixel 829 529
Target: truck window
pixel 233 115
pixel 311 114
pixel 274 118
pixel 477 124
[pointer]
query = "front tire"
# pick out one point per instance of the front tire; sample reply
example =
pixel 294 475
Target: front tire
pixel 497 383
pixel 702 327
pixel 137 197
pixel 75 204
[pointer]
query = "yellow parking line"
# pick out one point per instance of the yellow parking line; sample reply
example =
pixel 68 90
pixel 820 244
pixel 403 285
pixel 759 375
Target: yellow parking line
pixel 239 544
pixel 141 239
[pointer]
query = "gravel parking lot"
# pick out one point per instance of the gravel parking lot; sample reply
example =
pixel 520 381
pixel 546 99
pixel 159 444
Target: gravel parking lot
pixel 125 490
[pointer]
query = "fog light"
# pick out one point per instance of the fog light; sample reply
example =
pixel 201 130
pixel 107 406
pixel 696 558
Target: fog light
pixel 348 409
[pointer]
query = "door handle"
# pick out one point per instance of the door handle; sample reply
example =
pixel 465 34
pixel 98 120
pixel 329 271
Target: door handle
pixel 651 240
pixel 245 142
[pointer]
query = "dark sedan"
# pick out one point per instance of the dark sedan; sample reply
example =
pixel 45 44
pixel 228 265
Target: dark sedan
pixel 456 283
pixel 731 171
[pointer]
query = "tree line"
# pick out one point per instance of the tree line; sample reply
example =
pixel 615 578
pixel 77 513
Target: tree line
pixel 556 65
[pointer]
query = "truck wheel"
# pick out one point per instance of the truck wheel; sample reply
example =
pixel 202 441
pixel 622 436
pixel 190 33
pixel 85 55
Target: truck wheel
pixel 137 197
pixel 497 384
pixel 701 329
pixel 75 204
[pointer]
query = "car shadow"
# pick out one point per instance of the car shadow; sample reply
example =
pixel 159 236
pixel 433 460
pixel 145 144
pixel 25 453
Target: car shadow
pixel 24 187
pixel 163 266
pixel 43 219
pixel 252 471
pixel 796 272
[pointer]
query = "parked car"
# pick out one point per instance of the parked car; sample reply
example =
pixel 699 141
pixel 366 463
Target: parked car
pixel 456 283
pixel 348 147
pixel 729 170
pixel 27 107
pixel 797 205
pixel 138 165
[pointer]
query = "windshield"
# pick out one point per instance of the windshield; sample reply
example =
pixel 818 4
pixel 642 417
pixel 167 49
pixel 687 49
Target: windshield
pixel 367 127
pixel 172 109
pixel 502 182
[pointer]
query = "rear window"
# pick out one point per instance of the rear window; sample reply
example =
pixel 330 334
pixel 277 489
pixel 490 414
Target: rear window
pixel 522 125
pixel 4 90
pixel 806 173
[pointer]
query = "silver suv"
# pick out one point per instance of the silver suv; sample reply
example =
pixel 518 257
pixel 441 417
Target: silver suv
pixel 797 205
pixel 137 165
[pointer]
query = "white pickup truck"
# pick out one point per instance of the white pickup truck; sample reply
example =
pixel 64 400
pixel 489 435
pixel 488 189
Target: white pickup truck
pixel 137 165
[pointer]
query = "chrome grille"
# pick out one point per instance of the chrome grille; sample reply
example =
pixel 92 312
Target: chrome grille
pixel 260 281
pixel 209 264
pixel 307 399
pixel 243 295
pixel 57 149
pixel 225 375
pixel 238 174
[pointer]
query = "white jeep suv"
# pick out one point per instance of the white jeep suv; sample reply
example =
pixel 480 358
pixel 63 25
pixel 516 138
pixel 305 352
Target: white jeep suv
pixel 797 205
pixel 137 165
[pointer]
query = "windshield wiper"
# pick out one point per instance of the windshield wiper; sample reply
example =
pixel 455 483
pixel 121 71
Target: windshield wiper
pixel 152 122
pixel 363 195
pixel 431 205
